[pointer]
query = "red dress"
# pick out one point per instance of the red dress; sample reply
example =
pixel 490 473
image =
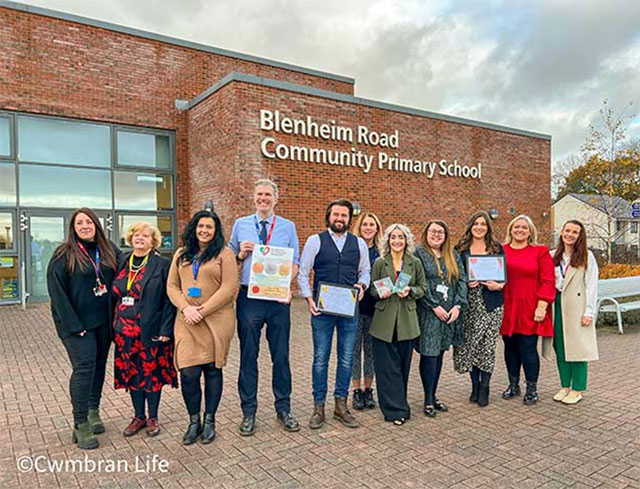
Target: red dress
pixel 137 367
pixel 530 278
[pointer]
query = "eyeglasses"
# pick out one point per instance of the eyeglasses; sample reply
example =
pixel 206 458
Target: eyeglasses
pixel 434 232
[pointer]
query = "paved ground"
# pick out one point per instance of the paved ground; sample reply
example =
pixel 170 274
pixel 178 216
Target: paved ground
pixel 593 444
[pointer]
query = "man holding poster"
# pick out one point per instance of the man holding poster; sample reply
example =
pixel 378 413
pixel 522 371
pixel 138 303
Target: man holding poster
pixel 340 262
pixel 267 246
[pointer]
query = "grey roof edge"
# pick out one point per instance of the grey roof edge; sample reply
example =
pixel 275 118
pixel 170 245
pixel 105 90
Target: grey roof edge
pixel 292 87
pixel 32 9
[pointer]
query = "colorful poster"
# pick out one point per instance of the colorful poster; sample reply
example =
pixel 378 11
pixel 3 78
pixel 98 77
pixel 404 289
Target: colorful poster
pixel 271 269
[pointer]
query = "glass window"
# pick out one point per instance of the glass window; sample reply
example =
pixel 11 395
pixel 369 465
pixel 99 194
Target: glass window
pixel 163 223
pixel 5 137
pixel 50 186
pixel 140 149
pixel 6 231
pixel 7 184
pixel 8 278
pixel 44 140
pixel 634 227
pixel 143 191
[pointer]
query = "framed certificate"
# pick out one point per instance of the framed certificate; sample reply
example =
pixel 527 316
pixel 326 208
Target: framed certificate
pixel 486 267
pixel 337 300
pixel 270 277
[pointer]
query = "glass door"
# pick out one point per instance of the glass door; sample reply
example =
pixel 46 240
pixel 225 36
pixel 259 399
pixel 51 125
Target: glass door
pixel 9 264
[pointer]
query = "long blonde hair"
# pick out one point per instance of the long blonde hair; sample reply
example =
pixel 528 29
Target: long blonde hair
pixel 533 232
pixel 377 239
pixel 446 251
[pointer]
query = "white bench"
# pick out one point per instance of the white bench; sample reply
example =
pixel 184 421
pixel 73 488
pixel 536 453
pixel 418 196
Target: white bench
pixel 618 288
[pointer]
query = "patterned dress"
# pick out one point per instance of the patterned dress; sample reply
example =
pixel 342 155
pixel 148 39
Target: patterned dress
pixel 481 329
pixel 137 367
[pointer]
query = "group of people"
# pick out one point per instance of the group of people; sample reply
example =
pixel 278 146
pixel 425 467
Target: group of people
pixel 177 318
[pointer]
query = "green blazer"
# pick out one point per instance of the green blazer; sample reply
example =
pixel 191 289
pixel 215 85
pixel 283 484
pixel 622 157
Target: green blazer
pixel 394 308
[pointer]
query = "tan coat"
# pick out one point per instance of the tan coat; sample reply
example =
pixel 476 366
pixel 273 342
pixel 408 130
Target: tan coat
pixel 579 341
pixel 209 340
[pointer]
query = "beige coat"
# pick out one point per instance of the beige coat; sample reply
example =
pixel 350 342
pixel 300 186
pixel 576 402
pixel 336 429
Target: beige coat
pixel 209 340
pixel 579 341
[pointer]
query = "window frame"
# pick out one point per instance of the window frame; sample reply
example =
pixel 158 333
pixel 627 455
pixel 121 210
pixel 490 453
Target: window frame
pixel 14 232
pixel 149 131
pixel 142 214
pixel 12 140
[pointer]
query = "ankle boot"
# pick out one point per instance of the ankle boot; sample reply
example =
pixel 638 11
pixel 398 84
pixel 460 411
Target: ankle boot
pixel 513 390
pixel 483 390
pixel 475 389
pixel 369 403
pixel 96 423
pixel 317 418
pixel 208 429
pixel 84 437
pixel 342 414
pixel 531 396
pixel 193 430
pixel 358 399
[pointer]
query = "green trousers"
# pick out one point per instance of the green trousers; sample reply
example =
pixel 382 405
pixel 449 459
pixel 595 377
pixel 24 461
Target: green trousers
pixel 573 375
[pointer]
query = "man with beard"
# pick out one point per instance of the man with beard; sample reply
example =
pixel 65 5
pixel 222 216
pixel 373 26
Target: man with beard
pixel 338 257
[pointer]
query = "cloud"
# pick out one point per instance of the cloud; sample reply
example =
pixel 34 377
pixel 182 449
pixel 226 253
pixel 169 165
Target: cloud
pixel 544 66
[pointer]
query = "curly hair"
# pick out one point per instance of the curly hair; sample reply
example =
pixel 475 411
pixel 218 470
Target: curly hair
pixel 408 235
pixel 190 245
pixel 156 237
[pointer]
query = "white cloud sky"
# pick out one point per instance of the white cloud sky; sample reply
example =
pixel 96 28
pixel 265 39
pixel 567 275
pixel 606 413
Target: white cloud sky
pixel 544 65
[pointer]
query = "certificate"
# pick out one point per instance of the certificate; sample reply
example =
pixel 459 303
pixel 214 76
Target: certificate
pixel 337 300
pixel 486 267
pixel 271 269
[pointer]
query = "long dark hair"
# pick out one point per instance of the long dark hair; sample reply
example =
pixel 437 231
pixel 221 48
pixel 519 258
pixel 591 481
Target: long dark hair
pixel 493 246
pixel 190 246
pixel 579 255
pixel 74 254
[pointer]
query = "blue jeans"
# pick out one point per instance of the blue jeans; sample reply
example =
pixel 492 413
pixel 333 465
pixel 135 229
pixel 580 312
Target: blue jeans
pixel 322 327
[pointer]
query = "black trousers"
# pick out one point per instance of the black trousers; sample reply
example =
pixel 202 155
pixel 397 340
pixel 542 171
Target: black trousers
pixel 151 399
pixel 430 369
pixel 252 315
pixel 521 350
pixel 392 363
pixel 192 392
pixel 88 356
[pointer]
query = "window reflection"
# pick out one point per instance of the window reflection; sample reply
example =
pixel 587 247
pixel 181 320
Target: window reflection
pixel 140 149
pixel 6 231
pixel 143 191
pixel 7 184
pixel 163 223
pixel 8 278
pixel 43 140
pixel 47 186
pixel 5 137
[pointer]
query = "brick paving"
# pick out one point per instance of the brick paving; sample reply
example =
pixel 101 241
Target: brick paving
pixel 593 444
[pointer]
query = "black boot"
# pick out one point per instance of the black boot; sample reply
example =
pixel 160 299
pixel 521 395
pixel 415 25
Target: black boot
pixel 358 400
pixel 369 403
pixel 531 396
pixel 475 388
pixel 193 430
pixel 513 390
pixel 483 394
pixel 208 429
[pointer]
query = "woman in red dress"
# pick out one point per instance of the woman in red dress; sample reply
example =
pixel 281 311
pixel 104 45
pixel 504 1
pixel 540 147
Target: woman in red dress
pixel 143 327
pixel 529 290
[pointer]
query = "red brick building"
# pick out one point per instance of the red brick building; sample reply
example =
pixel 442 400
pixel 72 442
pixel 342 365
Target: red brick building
pixel 138 125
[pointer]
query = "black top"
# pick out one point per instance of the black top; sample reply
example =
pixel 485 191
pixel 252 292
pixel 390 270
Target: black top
pixel 368 302
pixel 492 298
pixel 74 306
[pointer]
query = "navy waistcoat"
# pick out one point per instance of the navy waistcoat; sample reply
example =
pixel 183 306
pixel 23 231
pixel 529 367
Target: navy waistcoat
pixel 333 266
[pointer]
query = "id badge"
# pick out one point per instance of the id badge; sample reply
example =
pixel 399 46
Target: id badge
pixel 194 292
pixel 99 290
pixel 128 301
pixel 442 289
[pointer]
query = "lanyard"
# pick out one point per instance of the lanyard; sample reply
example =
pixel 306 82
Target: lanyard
pixel 273 223
pixel 131 279
pixel 196 264
pixel 96 263
pixel 563 270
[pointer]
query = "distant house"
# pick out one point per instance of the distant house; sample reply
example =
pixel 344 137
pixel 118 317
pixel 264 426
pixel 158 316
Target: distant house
pixel 606 219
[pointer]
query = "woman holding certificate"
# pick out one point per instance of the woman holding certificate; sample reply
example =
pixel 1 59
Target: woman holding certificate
pixel 398 281
pixel 483 317
pixel 529 291
pixel 440 309
pixel 367 227
pixel 574 338
pixel 202 284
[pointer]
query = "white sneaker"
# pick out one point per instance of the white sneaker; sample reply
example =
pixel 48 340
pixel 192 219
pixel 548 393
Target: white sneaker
pixel 562 393
pixel 573 397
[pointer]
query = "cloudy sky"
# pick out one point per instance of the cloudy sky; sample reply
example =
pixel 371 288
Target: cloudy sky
pixel 541 65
